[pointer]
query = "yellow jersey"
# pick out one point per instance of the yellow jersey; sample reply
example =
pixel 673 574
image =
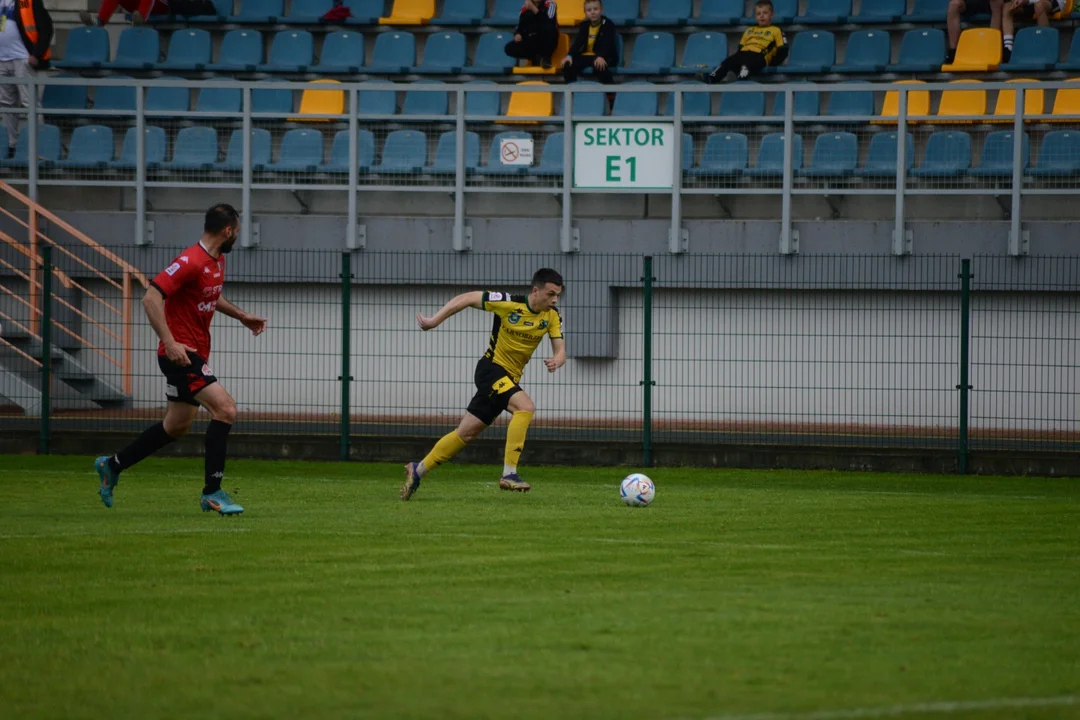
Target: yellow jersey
pixel 517 330
pixel 765 40
pixel 594 32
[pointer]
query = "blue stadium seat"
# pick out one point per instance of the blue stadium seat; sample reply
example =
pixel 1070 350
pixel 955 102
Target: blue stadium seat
pixel 880 12
pixel 635 104
pixel 223 8
pixel 196 148
pixel 291 51
pixel 854 104
pixel 654 54
pixel 271 100
pixel 1072 60
pixel 154 141
pixel 920 51
pixel 770 157
pixel 624 13
pixel 807 104
pixel 90 146
pixel 1059 155
pixel 881 157
pixel 395 53
pixel 825 12
pixel 377 102
pixel 188 50
pixel 446 154
pixel 139 48
pixel 495 164
pixel 234 153
pixel 505 12
pixel 461 12
pixel 868 51
pixel 86 47
pixel 259 12
pixel 590 100
pixel 742 105
pixel 166 98
pixel 364 12
pixel 404 153
pixel 115 97
pixel 307 12
pixel 695 104
pixel 813 51
pixel 687 152
pixel 482 99
pixel 342 53
pixel 996 160
pixel 338 163
pixel 301 151
pixel 668 12
pixel 947 154
pixel 720 12
pixel 48 147
pixel 703 52
pixel 65 97
pixel 444 54
pixel 422 102
pixel 490 57
pixel 725 155
pixel 835 155
pixel 219 100
pixel 1036 48
pixel 551 160
pixel 241 51
pixel 784 13
pixel 927 11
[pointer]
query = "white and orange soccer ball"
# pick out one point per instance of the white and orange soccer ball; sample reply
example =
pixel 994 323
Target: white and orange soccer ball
pixel 637 490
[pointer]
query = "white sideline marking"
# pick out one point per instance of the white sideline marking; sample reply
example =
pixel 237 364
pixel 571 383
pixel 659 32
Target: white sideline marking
pixel 107 533
pixel 915 709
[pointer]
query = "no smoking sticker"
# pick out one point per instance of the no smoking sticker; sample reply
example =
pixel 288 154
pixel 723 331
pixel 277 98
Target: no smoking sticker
pixel 516 151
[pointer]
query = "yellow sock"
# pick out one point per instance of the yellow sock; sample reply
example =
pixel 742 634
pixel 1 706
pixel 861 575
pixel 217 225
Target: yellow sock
pixel 515 440
pixel 447 447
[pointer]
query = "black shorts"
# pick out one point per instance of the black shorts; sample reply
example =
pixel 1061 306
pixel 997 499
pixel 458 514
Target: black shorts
pixel 182 384
pixel 1027 12
pixel 494 388
pixel 976 7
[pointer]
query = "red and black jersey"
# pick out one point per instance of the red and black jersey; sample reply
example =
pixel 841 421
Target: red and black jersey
pixel 191 285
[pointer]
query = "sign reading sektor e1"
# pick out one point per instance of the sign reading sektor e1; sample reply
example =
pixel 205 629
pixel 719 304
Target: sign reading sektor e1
pixel 624 155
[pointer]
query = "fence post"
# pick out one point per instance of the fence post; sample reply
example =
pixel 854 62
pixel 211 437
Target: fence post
pixel 965 354
pixel 46 348
pixel 346 351
pixel 646 359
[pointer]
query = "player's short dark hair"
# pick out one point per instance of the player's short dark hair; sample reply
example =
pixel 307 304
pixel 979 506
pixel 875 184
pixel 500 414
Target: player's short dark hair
pixel 543 276
pixel 219 217
pixel 764 3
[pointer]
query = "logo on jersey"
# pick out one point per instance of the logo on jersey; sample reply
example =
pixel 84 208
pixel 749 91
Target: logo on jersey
pixel 529 323
pixel 207 307
pixel 206 371
pixel 513 318
pixel 183 258
pixel 171 270
pixel 206 271
pixel 543 324
pixel 212 290
pixel 495 297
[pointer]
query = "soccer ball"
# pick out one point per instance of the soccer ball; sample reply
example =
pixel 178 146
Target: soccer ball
pixel 637 490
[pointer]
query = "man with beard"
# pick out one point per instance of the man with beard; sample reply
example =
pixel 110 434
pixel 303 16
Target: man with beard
pixel 180 304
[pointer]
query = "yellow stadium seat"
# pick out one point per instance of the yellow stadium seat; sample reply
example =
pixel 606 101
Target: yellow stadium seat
pixel 561 50
pixel 530 104
pixel 961 103
pixel 918 105
pixel 979 50
pixel 321 102
pixel 410 12
pixel 571 13
pixel 1064 13
pixel 1034 102
pixel 1067 102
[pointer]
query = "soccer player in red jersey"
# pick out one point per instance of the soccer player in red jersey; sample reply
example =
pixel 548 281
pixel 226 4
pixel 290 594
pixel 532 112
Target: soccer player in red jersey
pixel 180 304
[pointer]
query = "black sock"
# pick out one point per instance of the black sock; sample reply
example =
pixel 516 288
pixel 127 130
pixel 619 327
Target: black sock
pixel 217 439
pixel 152 439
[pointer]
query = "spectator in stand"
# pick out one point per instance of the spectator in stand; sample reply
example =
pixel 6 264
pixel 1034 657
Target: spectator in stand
pixel 761 46
pixel 958 9
pixel 1041 11
pixel 139 9
pixel 537 33
pixel 594 47
pixel 26 31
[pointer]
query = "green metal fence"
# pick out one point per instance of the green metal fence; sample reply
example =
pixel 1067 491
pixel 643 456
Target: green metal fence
pixel 927 352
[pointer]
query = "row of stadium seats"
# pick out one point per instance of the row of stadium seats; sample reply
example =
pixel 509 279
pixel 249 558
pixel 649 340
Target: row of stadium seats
pixel 483 101
pixel 660 13
pixel 1037 49
pixel 834 155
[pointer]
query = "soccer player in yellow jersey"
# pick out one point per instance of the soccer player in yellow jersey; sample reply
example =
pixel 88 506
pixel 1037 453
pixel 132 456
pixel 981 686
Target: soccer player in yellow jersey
pixel 521 322
pixel 761 46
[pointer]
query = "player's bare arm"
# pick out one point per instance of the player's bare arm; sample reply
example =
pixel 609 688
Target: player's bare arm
pixel 257 325
pixel 154 304
pixel 473 299
pixel 558 358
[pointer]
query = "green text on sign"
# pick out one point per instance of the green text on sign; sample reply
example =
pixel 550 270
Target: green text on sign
pixel 624 137
pixel 624 155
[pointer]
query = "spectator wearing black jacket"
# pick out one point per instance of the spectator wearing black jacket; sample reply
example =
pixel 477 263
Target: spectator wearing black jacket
pixel 537 33
pixel 596 46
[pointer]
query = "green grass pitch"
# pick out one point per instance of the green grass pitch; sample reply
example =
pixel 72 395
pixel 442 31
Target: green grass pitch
pixel 737 594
